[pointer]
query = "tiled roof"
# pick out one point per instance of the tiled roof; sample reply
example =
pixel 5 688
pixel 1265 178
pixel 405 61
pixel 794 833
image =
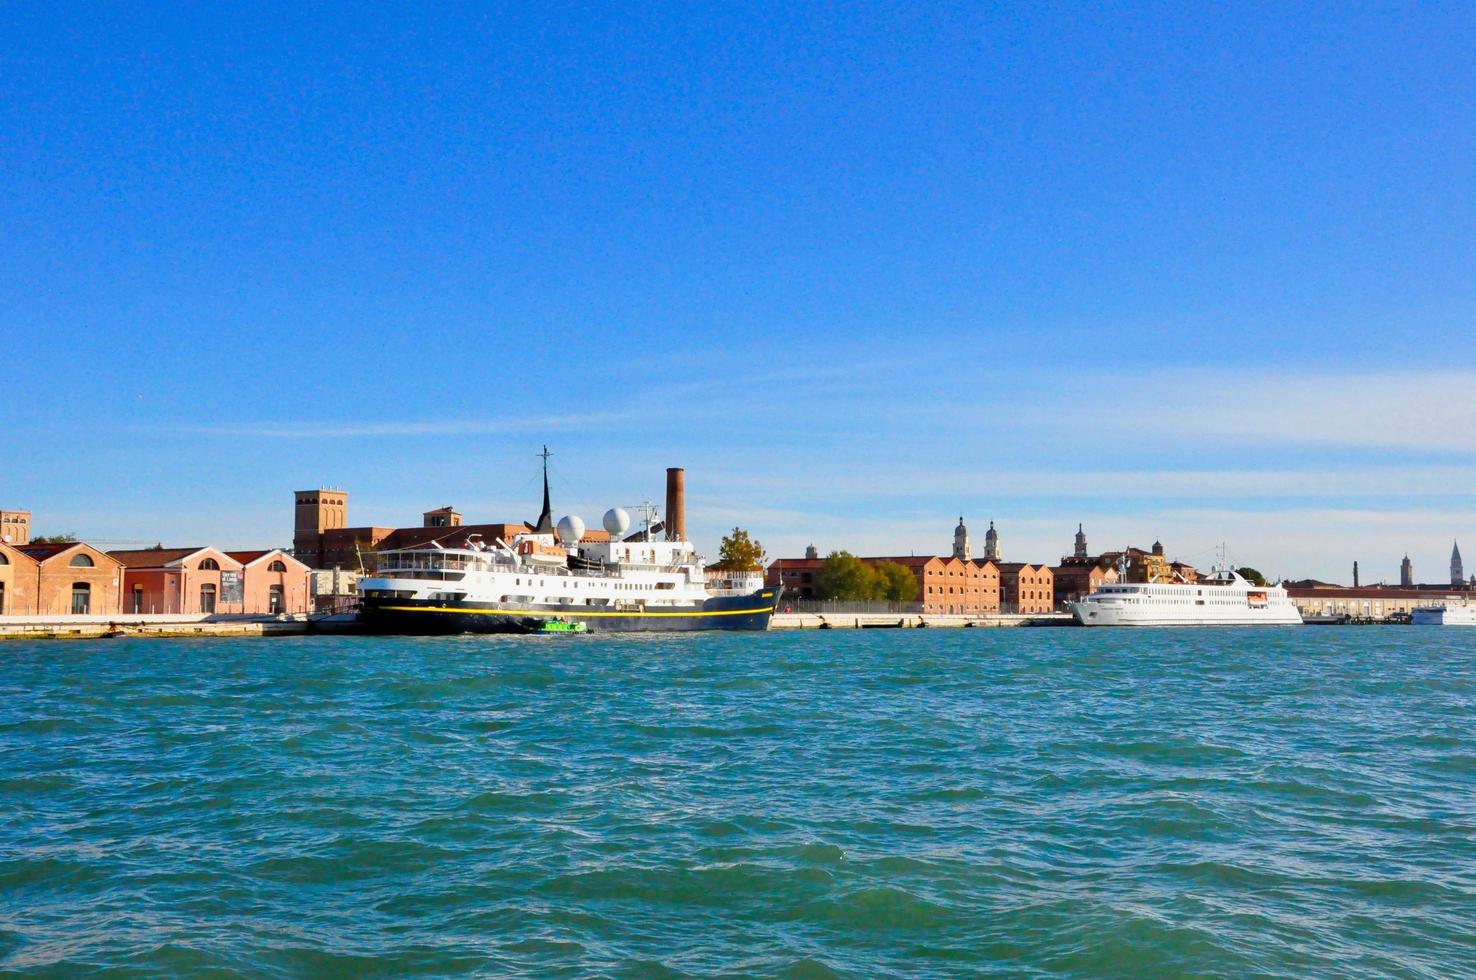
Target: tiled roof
pixel 160 557
pixel 247 557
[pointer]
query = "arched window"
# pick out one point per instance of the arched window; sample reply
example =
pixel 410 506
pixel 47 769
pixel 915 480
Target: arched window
pixel 81 561
pixel 81 597
pixel 277 566
pixel 3 559
pixel 209 565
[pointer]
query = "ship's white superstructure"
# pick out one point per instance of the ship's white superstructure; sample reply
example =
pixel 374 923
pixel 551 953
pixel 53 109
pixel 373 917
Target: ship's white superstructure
pixel 1450 614
pixel 639 581
pixel 1223 598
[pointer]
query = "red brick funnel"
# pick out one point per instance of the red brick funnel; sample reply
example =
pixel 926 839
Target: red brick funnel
pixel 676 503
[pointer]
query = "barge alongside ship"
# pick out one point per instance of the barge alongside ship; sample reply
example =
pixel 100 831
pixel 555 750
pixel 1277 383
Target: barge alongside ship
pixel 648 581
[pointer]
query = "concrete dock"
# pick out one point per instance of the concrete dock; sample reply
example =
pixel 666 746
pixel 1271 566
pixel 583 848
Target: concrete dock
pixel 132 624
pixel 847 621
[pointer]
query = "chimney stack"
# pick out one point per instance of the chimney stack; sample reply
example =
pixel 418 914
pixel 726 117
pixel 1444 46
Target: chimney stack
pixel 676 503
pixel 1355 575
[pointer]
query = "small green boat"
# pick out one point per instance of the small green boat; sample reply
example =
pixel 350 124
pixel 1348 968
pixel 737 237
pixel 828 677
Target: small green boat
pixel 561 626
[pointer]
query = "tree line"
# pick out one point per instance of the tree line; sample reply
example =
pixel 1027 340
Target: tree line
pixel 845 578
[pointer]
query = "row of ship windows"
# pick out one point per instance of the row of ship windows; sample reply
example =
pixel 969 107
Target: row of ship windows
pixel 623 586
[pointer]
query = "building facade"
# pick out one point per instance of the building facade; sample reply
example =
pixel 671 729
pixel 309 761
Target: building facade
pixel 181 581
pixel 19 579
pixel 1026 589
pixel 71 578
pixel 274 583
pixel 1077 577
pixel 1373 602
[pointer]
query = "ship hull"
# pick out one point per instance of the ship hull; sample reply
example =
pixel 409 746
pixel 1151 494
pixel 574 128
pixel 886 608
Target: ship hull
pixel 423 616
pixel 1095 614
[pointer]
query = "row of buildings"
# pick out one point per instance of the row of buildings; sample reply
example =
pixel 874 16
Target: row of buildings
pixel 75 578
pixel 1380 600
pixel 319 573
pixel 959 584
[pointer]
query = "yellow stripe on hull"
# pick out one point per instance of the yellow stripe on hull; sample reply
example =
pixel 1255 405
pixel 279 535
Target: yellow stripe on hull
pixel 568 613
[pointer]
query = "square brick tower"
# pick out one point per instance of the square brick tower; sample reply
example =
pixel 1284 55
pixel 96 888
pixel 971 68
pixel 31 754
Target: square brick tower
pixel 317 511
pixel 15 527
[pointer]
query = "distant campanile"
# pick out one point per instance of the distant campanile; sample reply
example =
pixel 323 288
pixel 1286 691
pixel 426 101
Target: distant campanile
pixel 1457 573
pixel 1406 572
pixel 1081 543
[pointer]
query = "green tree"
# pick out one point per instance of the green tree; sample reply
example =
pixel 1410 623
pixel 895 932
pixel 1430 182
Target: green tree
pixel 897 581
pixel 69 538
pixel 740 553
pixel 846 578
pixel 1252 576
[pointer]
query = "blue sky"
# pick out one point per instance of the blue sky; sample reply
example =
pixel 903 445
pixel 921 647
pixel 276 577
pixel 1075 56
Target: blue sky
pixel 1200 273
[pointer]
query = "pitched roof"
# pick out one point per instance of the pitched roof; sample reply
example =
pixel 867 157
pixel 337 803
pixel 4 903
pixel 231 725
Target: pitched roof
pixel 1017 566
pixel 159 557
pixel 251 557
pixel 46 552
pixel 41 552
pixel 247 557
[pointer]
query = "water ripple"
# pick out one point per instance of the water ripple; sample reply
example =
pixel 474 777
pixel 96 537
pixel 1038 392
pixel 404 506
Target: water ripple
pixel 1063 802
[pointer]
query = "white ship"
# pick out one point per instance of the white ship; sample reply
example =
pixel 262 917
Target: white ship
pixel 1447 615
pixel 1222 598
pixel 550 579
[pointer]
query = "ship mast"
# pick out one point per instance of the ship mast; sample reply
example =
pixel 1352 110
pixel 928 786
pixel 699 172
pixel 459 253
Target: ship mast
pixel 545 519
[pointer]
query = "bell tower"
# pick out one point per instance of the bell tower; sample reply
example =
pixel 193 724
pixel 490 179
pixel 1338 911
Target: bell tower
pixel 1081 543
pixel 961 548
pixel 1457 573
pixel 15 527
pixel 317 511
pixel 1406 572
pixel 991 543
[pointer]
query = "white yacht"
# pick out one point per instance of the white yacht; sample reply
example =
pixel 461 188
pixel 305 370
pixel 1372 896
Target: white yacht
pixel 552 579
pixel 1222 598
pixel 1446 615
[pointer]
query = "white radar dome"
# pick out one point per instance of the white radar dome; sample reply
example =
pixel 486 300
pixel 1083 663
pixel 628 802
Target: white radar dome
pixel 570 530
pixel 617 522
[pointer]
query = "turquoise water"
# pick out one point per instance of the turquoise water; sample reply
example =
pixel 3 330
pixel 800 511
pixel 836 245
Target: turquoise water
pixel 922 802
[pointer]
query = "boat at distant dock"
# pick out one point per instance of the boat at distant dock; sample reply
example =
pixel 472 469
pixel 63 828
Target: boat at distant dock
pixel 1447 615
pixel 647 581
pixel 1222 598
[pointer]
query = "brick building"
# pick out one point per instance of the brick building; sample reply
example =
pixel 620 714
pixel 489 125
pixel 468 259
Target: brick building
pixel 321 541
pixel 181 580
pixel 71 578
pixel 1074 577
pixel 1026 588
pixel 274 583
pixel 19 580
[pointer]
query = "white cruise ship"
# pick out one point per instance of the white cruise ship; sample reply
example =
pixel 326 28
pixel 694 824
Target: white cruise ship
pixel 1447 615
pixel 552 579
pixel 1222 598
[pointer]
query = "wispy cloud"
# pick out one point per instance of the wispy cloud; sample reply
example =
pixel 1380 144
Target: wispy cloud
pixel 1408 410
pixel 412 427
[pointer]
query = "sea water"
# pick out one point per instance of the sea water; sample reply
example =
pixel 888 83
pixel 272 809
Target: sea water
pixel 920 802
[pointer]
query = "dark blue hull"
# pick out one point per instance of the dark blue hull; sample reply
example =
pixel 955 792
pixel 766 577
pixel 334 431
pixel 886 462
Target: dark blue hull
pixel 748 612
